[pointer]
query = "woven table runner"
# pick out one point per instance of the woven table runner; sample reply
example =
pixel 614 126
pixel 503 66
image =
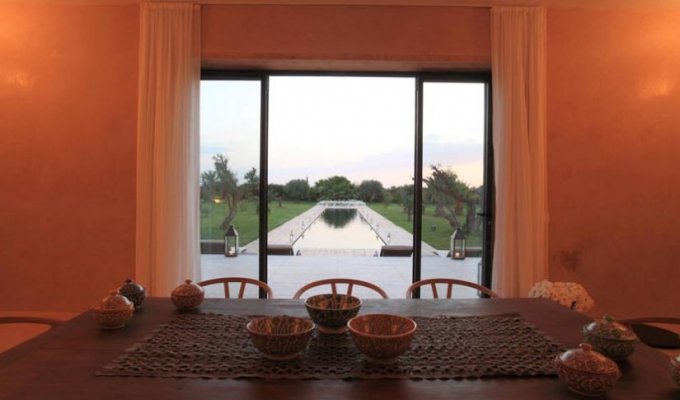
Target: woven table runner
pixel 217 346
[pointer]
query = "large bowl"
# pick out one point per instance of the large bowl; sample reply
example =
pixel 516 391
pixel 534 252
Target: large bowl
pixel 382 337
pixel 610 338
pixel 331 312
pixel 586 371
pixel 281 337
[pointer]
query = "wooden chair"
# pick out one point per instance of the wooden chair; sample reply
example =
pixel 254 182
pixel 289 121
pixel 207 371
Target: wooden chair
pixel 449 287
pixel 652 335
pixel 342 281
pixel 16 335
pixel 242 281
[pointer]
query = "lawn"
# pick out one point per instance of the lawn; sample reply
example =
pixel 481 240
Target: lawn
pixel 436 230
pixel 247 219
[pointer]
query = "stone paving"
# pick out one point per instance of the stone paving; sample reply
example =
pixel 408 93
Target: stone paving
pixel 287 274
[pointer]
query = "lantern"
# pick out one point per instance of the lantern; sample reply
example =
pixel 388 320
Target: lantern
pixel 458 245
pixel 231 242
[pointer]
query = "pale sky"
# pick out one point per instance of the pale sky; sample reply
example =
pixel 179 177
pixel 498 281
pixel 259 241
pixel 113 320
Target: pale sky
pixel 358 127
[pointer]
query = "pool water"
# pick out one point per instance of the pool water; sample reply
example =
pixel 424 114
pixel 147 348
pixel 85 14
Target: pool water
pixel 339 229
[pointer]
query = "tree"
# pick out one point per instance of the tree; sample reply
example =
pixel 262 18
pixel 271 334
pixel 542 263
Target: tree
pixel 453 198
pixel 222 185
pixel 297 189
pixel 371 191
pixel 334 188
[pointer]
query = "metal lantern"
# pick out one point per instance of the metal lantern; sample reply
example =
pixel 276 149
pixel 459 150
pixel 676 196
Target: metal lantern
pixel 231 242
pixel 458 245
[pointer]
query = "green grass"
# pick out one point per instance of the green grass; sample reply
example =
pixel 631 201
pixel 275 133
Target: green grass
pixel 439 238
pixel 247 220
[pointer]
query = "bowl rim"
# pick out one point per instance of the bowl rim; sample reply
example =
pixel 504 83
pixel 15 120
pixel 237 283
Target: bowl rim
pixel 373 335
pixel 586 333
pixel 254 332
pixel 332 309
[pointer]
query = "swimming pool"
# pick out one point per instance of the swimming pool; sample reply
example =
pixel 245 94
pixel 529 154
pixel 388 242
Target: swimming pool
pixel 339 228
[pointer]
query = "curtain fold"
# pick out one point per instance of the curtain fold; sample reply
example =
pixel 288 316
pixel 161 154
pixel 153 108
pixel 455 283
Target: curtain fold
pixel 167 146
pixel 518 67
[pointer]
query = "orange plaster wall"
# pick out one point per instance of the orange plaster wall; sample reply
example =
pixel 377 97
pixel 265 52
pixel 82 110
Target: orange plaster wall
pixel 68 101
pixel 614 156
pixel 345 37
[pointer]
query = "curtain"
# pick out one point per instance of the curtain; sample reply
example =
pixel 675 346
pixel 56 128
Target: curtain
pixel 518 67
pixel 167 147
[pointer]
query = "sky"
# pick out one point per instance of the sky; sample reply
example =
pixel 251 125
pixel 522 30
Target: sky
pixel 358 127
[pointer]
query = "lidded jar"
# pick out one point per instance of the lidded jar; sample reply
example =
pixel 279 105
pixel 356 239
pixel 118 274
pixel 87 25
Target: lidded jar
pixel 134 292
pixel 187 296
pixel 610 338
pixel 586 371
pixel 113 311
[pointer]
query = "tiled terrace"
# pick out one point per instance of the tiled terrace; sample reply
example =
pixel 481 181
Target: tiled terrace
pixel 287 274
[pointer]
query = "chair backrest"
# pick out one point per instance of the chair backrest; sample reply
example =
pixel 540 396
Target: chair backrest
pixel 654 335
pixel 449 287
pixel 242 287
pixel 30 320
pixel 340 281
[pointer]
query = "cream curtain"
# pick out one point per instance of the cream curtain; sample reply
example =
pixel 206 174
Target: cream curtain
pixel 518 59
pixel 167 146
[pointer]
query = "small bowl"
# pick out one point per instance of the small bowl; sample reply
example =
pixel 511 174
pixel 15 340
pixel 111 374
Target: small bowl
pixel 610 338
pixel 112 319
pixel 382 337
pixel 586 371
pixel 675 369
pixel 187 296
pixel 113 311
pixel 331 312
pixel 280 337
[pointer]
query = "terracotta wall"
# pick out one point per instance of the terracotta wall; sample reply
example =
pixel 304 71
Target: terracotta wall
pixel 68 78
pixel 614 155
pixel 68 89
pixel 345 38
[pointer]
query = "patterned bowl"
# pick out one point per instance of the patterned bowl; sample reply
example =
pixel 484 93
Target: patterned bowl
pixel 331 312
pixel 675 369
pixel 610 338
pixel 586 371
pixel 187 296
pixel 280 337
pixel 113 312
pixel 382 337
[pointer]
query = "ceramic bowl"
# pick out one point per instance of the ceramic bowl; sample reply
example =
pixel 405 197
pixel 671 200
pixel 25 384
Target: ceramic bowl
pixel 675 369
pixel 113 312
pixel 187 296
pixel 610 338
pixel 587 372
pixel 382 338
pixel 331 312
pixel 280 337
pixel 134 292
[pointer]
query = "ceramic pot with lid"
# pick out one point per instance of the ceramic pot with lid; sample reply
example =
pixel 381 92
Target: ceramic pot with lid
pixel 114 311
pixel 610 338
pixel 586 371
pixel 187 296
pixel 134 292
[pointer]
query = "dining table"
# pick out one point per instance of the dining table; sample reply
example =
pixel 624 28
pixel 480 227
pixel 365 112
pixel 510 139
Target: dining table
pixel 63 363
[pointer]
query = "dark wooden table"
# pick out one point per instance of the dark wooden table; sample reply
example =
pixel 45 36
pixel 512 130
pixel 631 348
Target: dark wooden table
pixel 60 364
